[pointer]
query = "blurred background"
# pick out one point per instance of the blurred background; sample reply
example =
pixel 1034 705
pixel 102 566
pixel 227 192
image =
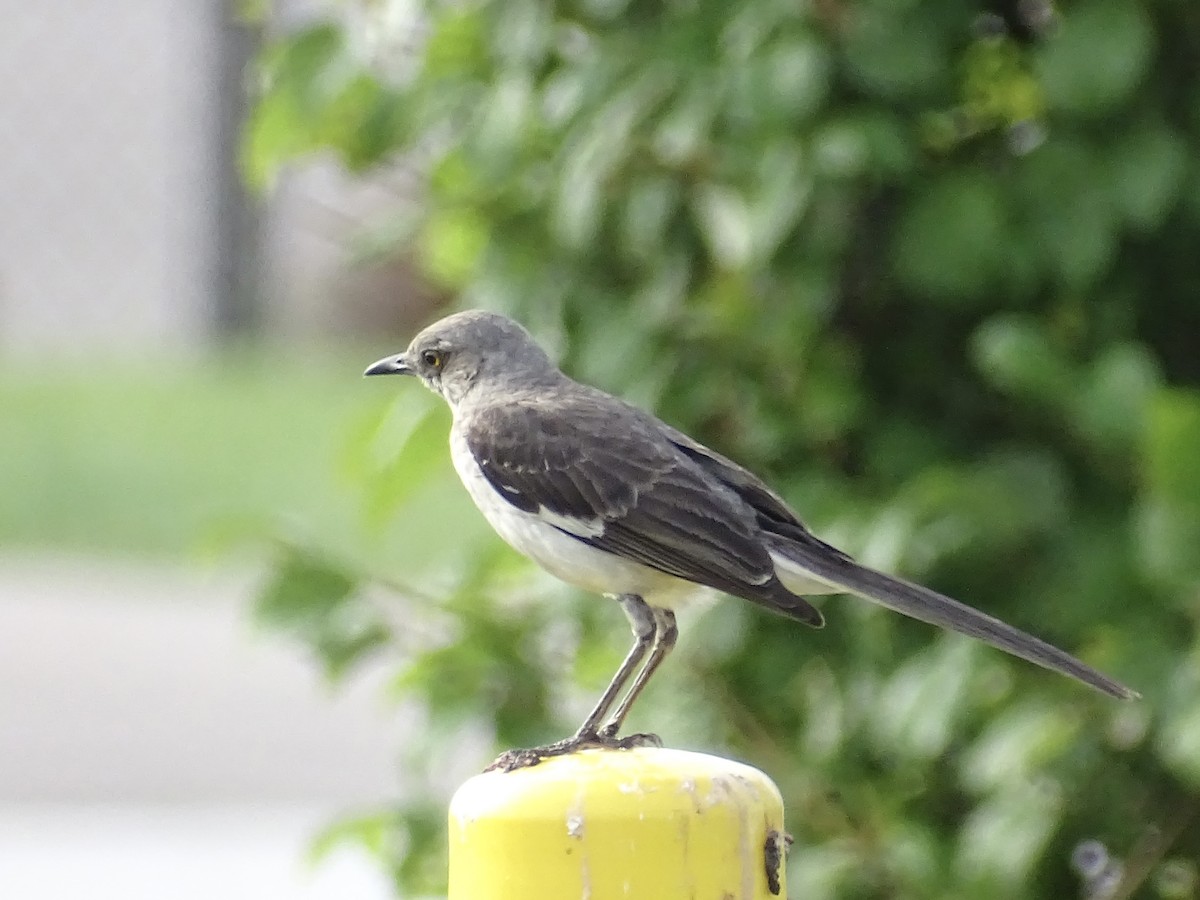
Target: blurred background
pixel 929 267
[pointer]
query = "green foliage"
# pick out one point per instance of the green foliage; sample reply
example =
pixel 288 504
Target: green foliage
pixel 155 456
pixel 936 281
pixel 315 601
pixel 315 94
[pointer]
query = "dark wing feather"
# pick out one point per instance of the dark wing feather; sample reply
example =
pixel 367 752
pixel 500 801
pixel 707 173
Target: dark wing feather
pixel 771 512
pixel 587 456
pixel 789 537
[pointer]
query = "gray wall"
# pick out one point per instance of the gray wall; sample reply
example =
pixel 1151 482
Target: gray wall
pixel 120 224
pixel 107 191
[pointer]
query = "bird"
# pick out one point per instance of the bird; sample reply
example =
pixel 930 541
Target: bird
pixel 607 497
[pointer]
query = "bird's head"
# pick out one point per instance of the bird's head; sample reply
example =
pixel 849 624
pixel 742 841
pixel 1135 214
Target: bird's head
pixel 453 355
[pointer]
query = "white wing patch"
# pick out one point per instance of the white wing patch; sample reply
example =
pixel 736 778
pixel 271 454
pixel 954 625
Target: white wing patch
pixel 800 580
pixel 586 528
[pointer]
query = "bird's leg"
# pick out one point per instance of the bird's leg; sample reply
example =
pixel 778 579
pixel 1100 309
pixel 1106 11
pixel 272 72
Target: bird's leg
pixel 645 623
pixel 665 635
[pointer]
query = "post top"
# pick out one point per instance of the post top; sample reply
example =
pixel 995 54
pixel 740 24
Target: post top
pixel 643 824
pixel 660 781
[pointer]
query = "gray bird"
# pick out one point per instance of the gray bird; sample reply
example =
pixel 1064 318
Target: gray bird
pixel 608 498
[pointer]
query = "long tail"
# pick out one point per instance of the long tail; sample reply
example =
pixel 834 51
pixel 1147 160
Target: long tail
pixel 800 563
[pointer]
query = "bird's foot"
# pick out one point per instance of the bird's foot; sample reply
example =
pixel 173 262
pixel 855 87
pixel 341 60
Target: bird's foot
pixel 511 760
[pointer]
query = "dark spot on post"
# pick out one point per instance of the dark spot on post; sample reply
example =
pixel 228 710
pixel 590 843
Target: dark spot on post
pixel 773 854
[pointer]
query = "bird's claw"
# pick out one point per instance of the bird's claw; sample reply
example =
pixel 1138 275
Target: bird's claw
pixel 511 760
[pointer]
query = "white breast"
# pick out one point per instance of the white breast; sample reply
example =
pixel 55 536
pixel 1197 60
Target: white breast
pixel 571 560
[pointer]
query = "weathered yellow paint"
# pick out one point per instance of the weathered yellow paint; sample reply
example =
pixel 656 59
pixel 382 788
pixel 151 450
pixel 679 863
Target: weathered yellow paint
pixel 645 824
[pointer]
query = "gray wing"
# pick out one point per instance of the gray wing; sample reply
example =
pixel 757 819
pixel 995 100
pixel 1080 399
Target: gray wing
pixel 590 458
pixel 788 536
pixel 771 511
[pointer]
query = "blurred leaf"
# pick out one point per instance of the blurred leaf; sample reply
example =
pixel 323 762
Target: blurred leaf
pixel 456 44
pixel 365 122
pixel 403 451
pixel 951 242
pixel 1015 745
pixel 524 34
pixel 920 704
pixel 651 205
pixel 1098 58
pixel 452 244
pixel 1168 534
pixel 895 55
pixel 302 592
pixel 1179 742
pixel 592 154
pixel 251 11
pixel 998 89
pixel 824 870
pixel 1015 354
pixel 315 601
pixel 1179 738
pixel 797 77
pixel 1147 169
pixel 1178 879
pixel 378 833
pixel 1004 835
pixel 913 856
pixel 888 140
pixel 300 76
pixel 420 869
pixel 725 221
pixel 1113 405
pixel 1172 461
pixel 1168 516
pixel 832 399
pixel 506 123
pixel 784 81
pixel 1004 503
pixel 682 133
pixel 1070 216
pixel 780 200
pixel 842 149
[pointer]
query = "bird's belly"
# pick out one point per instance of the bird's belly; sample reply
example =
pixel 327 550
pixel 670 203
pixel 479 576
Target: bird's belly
pixel 560 554
pixel 572 560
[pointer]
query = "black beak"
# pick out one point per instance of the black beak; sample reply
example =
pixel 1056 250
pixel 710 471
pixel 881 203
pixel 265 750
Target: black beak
pixel 390 365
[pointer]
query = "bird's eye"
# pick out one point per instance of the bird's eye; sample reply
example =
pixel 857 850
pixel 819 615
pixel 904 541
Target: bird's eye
pixel 432 358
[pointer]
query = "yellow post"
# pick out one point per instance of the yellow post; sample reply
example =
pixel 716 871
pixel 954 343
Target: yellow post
pixel 644 824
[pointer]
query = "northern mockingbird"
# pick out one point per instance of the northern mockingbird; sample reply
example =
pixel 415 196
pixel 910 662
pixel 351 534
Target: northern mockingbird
pixel 612 500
